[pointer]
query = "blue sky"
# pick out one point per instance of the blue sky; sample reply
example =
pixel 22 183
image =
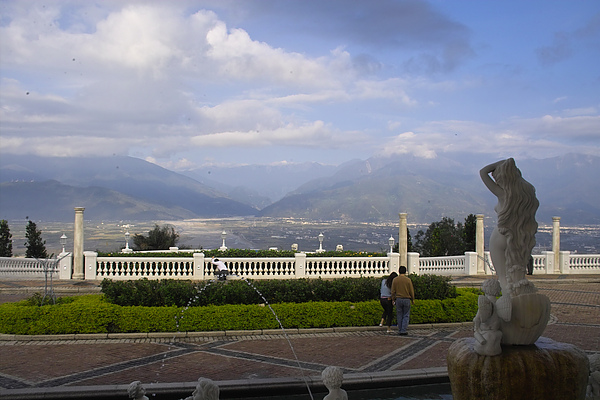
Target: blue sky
pixel 190 83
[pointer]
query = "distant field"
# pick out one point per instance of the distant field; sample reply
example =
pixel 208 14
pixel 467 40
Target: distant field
pixel 263 233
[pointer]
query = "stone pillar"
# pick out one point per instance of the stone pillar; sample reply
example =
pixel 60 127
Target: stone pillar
pixel 471 263
pixel 413 263
pixel 556 243
pixel 565 262
pixel 198 266
pixel 65 265
pixel 300 267
pixel 480 245
pixel 549 262
pixel 91 261
pixel 402 239
pixel 78 245
pixel 393 263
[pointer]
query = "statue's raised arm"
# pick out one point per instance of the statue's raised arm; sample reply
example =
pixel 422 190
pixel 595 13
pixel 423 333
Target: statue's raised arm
pixel 488 181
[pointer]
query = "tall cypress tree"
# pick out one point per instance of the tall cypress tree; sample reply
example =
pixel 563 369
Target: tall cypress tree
pixel 5 239
pixel 36 247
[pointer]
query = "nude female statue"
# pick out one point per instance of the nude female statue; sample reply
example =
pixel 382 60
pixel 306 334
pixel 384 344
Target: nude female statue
pixel 514 236
pixel 524 313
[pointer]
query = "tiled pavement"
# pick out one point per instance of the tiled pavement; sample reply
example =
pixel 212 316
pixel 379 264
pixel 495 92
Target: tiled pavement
pixel 226 356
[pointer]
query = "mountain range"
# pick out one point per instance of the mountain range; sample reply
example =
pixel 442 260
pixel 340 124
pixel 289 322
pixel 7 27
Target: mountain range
pixel 121 188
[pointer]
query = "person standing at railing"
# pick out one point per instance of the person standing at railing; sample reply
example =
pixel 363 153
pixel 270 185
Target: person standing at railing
pixel 385 298
pixel 222 271
pixel 403 296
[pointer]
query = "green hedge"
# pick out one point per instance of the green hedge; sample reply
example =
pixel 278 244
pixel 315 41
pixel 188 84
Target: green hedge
pixel 181 293
pixel 92 314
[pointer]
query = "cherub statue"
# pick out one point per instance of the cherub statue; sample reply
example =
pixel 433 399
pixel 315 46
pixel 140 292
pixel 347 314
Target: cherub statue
pixel 486 323
pixel 206 389
pixel 332 379
pixel 136 391
pixel 593 388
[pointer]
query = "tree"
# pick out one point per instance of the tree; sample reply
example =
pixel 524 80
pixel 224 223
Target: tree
pixel 409 244
pixel 159 238
pixel 445 238
pixel 35 246
pixel 5 239
pixel 470 232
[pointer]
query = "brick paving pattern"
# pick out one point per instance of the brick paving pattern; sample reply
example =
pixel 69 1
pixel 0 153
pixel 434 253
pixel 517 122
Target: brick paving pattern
pixel 33 363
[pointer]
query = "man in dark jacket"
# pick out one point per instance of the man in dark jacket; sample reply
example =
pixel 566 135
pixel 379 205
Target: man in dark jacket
pixel 403 295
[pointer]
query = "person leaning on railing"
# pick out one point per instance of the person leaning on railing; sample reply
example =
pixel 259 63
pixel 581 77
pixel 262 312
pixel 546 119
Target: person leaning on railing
pixel 221 267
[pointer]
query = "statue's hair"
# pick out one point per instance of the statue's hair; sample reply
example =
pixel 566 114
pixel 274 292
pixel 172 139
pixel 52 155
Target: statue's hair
pixel 134 389
pixel 492 286
pixel 594 362
pixel 332 377
pixel 516 219
pixel 208 388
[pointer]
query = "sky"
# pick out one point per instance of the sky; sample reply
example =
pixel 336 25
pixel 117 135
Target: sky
pixel 191 83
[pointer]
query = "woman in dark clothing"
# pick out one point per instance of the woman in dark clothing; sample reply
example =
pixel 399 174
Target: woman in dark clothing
pixel 385 298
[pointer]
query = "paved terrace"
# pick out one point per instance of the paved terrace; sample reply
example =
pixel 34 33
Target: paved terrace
pixel 168 364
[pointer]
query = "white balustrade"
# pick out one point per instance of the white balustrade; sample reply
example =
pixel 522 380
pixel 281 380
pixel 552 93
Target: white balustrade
pixel 257 268
pixel 450 265
pixel 584 263
pixel 339 267
pixel 27 268
pixel 144 267
pixel 199 267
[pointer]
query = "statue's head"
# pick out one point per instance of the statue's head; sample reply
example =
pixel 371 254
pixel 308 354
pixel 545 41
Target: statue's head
pixel 491 287
pixel 206 389
pixel 136 390
pixel 506 172
pixel 332 377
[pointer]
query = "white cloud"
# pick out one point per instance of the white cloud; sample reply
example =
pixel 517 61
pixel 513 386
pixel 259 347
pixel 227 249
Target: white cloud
pixel 316 134
pixel 547 135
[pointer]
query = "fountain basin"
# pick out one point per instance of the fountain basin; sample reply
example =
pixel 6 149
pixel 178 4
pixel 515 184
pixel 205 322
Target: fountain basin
pixel 542 371
pixel 246 388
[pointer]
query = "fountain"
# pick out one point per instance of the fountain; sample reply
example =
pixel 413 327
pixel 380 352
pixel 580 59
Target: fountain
pixel 507 358
pixel 227 277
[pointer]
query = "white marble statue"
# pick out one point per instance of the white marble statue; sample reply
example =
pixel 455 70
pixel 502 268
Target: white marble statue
pixel 206 389
pixel 332 379
pixel 486 324
pixel 524 312
pixel 136 391
pixel 593 388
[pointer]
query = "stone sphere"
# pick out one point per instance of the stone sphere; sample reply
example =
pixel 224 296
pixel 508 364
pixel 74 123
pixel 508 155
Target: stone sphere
pixel 542 371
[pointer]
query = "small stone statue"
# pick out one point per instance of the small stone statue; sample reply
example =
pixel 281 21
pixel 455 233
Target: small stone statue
pixel 136 391
pixel 206 389
pixel 486 323
pixel 593 388
pixel 332 379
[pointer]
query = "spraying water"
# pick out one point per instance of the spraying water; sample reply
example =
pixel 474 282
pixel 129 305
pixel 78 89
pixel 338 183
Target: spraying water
pixel 284 334
pixel 179 317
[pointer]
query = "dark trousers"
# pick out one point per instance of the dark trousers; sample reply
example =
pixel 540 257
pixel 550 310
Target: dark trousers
pixel 222 274
pixel 388 310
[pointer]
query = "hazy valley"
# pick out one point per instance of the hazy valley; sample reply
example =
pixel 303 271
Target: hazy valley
pixel 264 233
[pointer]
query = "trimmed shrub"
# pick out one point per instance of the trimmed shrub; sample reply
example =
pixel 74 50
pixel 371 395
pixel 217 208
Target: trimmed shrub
pixel 181 293
pixel 91 314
